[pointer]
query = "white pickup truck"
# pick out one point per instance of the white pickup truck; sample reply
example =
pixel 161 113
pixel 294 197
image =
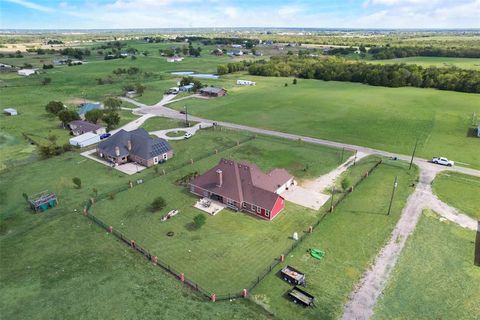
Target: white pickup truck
pixel 443 161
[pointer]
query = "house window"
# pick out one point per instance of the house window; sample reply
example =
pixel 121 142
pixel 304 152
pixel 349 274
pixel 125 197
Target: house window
pixel 123 158
pixel 155 160
pixel 254 208
pixel 244 204
pixel 259 210
pixel 230 202
pixel 267 213
pixel 165 156
pixel 205 194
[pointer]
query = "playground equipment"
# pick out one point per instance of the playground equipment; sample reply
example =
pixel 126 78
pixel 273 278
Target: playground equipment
pixel 317 253
pixel 42 201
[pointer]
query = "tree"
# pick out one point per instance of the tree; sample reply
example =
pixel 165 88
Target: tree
pixel 77 182
pixel 112 119
pixel 294 81
pixel 54 107
pixel 286 84
pixel 140 88
pixel 112 103
pixel 222 69
pixel 345 184
pixel 67 116
pixel 199 220
pixel 158 204
pixel 94 115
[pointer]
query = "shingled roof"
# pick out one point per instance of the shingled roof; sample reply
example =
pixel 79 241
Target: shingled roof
pixel 243 182
pixel 142 144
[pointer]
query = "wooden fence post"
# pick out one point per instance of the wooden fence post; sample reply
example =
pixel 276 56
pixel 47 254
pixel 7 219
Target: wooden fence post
pixel 110 229
pixel 213 297
pixel 132 243
pixel 155 260
pixel 182 277
pixel 310 229
pixel 282 257
pixel 244 293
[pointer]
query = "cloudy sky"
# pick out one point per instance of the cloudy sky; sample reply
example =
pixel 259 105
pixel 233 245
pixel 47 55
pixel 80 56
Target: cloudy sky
pixel 88 14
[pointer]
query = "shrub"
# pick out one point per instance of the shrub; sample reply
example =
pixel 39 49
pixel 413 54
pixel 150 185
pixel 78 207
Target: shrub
pixel 345 184
pixel 199 220
pixel 77 182
pixel 158 204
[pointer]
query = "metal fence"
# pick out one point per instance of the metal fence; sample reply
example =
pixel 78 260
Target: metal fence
pixel 195 286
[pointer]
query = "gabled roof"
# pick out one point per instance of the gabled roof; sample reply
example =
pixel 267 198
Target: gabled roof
pixel 244 182
pixel 84 108
pixel 83 126
pixel 142 145
pixel 212 90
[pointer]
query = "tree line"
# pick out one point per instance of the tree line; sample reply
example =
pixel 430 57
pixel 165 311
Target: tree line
pixel 402 52
pixel 392 75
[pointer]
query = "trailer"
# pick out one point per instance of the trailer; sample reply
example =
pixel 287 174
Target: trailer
pixel 293 276
pixel 302 297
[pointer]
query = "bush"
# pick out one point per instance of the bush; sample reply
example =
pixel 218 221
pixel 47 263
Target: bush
pixel 77 182
pixel 345 184
pixel 199 220
pixel 54 107
pixel 158 204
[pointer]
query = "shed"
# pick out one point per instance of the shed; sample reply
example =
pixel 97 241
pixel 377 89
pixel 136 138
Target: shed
pixel 85 139
pixel 26 72
pixel 213 92
pixel 10 111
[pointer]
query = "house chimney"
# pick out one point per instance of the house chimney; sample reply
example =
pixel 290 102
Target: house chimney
pixel 220 178
pixel 129 145
pixel 117 151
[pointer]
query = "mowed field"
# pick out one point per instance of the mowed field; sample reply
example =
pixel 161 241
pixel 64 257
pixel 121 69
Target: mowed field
pixel 351 237
pixel 460 191
pixel 389 119
pixel 440 62
pixel 435 277
pixel 232 248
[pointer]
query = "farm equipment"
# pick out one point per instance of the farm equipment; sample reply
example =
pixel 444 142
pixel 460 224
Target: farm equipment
pixel 293 276
pixel 317 253
pixel 302 297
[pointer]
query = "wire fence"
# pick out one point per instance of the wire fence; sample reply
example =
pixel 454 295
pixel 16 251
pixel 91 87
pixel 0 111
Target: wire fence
pixel 192 284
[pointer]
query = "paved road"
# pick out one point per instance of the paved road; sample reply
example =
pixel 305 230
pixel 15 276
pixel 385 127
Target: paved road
pixel 363 299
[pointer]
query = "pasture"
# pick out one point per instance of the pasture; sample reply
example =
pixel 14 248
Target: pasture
pixel 434 277
pixel 439 62
pixel 460 191
pixel 351 237
pixel 389 119
pixel 232 248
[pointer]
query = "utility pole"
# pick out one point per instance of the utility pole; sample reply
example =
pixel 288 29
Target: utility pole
pixel 413 154
pixel 186 116
pixel 395 184
pixel 477 247
pixel 331 200
pixel 355 159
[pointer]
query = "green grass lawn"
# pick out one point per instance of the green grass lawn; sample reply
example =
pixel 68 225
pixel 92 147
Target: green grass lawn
pixel 460 191
pixel 58 265
pixel 383 118
pixel 235 246
pixel 440 62
pixel 434 277
pixel 351 237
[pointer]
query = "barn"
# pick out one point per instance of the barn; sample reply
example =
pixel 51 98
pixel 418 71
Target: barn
pixel 242 186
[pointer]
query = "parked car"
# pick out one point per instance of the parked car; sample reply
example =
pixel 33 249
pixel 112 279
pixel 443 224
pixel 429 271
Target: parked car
pixel 188 135
pixel 105 136
pixel 443 161
pixel 182 111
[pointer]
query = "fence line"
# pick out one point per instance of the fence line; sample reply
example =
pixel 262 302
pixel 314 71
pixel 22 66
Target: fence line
pixel 193 285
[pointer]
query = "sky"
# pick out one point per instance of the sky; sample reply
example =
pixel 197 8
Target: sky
pixel 112 14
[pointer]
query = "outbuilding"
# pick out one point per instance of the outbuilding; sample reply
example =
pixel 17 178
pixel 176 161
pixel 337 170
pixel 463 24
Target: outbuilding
pixel 10 111
pixel 245 83
pixel 26 72
pixel 213 92
pixel 85 140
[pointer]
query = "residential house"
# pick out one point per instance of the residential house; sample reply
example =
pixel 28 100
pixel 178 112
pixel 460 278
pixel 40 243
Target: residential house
pixel 243 186
pixel 186 88
pixel 10 111
pixel 213 92
pixel 79 127
pixel 89 106
pixel 135 146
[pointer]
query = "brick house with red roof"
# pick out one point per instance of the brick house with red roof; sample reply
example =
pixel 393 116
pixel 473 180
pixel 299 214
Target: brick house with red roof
pixel 243 186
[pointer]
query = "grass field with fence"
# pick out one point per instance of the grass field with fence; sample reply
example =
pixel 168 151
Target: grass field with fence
pixel 231 249
pixel 351 236
pixel 435 277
